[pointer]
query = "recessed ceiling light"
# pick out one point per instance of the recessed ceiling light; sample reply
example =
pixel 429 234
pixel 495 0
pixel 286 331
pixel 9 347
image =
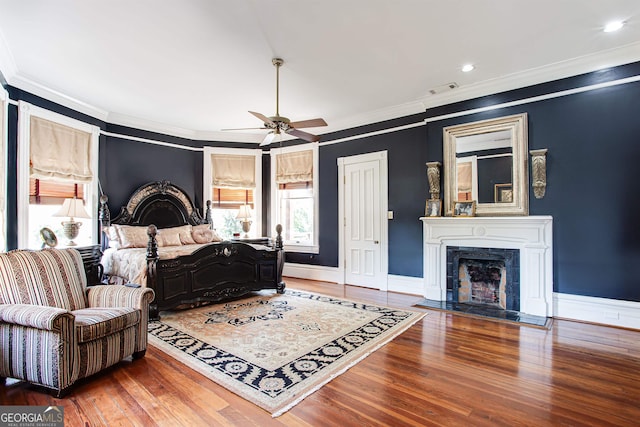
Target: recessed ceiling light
pixel 467 67
pixel 613 26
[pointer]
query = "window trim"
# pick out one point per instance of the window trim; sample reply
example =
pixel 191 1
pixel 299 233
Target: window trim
pixel 257 194
pixel 25 111
pixel 4 132
pixel 275 205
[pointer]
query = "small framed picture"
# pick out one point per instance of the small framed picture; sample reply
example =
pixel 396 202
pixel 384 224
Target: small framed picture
pixel 464 208
pixel 48 237
pixel 433 207
pixel 503 193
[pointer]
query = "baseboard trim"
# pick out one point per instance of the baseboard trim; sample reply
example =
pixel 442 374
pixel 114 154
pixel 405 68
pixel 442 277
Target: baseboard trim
pixel 605 311
pixel 312 272
pixel 406 284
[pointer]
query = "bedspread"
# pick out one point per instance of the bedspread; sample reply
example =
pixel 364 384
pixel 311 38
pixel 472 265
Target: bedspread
pixel 130 265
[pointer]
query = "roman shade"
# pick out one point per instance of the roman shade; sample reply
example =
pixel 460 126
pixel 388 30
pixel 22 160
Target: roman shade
pixel 295 166
pixel 59 152
pixel 233 171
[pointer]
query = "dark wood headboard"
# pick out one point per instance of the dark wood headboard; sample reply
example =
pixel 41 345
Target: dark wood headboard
pixel 159 203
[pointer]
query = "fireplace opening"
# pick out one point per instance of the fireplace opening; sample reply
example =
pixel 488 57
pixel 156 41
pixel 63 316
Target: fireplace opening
pixel 487 277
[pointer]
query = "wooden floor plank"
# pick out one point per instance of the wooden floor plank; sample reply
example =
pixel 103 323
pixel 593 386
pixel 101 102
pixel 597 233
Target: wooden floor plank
pixel 446 370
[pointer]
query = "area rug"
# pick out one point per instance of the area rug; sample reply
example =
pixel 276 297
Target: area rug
pixel 274 350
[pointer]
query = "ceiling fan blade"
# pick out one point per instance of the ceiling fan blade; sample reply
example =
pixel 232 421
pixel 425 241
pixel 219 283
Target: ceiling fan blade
pixel 268 139
pixel 303 135
pixel 262 117
pixel 311 123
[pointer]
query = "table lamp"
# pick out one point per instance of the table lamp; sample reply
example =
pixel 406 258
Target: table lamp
pixel 244 215
pixel 72 208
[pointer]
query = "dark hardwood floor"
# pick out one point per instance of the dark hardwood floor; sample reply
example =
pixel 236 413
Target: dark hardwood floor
pixel 447 370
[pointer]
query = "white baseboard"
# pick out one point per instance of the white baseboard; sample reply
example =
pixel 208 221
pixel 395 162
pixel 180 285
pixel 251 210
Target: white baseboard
pixel 402 284
pixel 597 310
pixel 312 272
pixel 406 284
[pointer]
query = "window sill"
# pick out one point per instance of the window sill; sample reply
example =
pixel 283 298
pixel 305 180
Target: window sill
pixel 302 249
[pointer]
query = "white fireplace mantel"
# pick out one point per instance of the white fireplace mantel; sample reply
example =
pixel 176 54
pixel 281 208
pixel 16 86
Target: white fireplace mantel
pixel 532 235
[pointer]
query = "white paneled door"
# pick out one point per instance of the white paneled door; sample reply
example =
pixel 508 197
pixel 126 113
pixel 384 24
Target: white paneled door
pixel 362 225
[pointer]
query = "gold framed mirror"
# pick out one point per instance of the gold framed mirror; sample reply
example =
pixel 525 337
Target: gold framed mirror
pixel 486 162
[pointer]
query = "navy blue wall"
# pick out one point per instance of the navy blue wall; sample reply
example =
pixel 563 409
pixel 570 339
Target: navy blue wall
pixel 592 138
pixel 126 165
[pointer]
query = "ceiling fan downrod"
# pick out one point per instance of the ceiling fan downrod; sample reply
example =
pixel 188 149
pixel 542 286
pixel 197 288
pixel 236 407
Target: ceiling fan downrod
pixel 277 62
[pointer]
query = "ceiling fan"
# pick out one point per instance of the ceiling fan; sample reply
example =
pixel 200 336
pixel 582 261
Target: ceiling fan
pixel 278 124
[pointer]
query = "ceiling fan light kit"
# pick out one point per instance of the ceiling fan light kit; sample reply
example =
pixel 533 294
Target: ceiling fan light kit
pixel 278 124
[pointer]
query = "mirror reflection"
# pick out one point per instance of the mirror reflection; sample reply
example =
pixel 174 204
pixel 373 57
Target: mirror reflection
pixel 486 161
pixel 484 165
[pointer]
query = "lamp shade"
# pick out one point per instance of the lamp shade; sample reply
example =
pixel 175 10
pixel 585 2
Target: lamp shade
pixel 72 208
pixel 244 212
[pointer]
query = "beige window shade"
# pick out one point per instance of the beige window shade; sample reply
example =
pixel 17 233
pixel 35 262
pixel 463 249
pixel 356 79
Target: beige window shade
pixel 59 152
pixel 296 166
pixel 233 171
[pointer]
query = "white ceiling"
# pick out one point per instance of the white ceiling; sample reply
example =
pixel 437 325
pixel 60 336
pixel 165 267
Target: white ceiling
pixel 192 67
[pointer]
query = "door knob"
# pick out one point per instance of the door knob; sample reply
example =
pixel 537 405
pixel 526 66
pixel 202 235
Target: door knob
pixel 377 242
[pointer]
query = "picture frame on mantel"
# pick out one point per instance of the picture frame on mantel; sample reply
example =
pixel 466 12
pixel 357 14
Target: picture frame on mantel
pixel 433 207
pixel 464 208
pixel 503 193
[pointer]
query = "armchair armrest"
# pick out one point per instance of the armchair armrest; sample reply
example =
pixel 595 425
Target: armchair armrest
pixel 119 296
pixel 35 316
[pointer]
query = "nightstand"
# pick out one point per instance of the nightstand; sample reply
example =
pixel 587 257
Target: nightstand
pixel 91 257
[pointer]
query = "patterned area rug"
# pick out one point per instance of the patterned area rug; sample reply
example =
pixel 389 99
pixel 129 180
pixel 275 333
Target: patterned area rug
pixel 274 350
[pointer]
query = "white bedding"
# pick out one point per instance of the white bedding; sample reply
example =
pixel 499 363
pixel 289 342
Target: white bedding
pixel 130 265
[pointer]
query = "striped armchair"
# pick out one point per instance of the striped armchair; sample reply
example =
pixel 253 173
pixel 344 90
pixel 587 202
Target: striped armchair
pixel 54 330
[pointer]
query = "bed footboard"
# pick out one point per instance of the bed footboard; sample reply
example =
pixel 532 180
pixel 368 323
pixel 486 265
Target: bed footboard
pixel 216 272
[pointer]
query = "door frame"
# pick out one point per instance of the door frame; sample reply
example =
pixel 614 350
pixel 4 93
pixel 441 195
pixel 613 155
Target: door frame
pixel 381 157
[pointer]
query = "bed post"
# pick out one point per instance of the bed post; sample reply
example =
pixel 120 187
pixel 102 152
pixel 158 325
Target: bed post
pixel 280 248
pixel 104 218
pixel 207 215
pixel 152 261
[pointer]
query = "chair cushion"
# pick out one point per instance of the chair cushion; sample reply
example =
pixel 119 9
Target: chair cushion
pixel 98 322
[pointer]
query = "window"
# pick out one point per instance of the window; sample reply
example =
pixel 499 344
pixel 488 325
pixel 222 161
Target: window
pixel 232 179
pixel 57 160
pixel 294 178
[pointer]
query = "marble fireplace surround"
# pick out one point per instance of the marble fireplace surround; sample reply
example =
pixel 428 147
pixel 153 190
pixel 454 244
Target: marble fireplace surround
pixel 532 235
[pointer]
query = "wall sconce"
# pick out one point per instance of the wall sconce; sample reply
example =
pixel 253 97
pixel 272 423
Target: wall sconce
pixel 539 171
pixel 72 208
pixel 433 174
pixel 244 215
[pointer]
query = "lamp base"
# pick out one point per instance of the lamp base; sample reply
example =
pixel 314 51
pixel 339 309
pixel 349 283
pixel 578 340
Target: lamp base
pixel 246 226
pixel 71 230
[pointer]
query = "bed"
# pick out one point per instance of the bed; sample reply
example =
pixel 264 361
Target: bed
pixel 140 248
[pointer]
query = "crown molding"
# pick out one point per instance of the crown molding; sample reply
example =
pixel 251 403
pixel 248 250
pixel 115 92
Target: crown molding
pixel 571 67
pixel 26 84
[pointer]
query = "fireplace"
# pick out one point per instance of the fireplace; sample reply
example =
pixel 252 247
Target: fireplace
pixel 530 236
pixel 484 276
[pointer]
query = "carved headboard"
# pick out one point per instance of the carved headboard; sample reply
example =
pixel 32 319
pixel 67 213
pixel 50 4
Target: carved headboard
pixel 159 203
